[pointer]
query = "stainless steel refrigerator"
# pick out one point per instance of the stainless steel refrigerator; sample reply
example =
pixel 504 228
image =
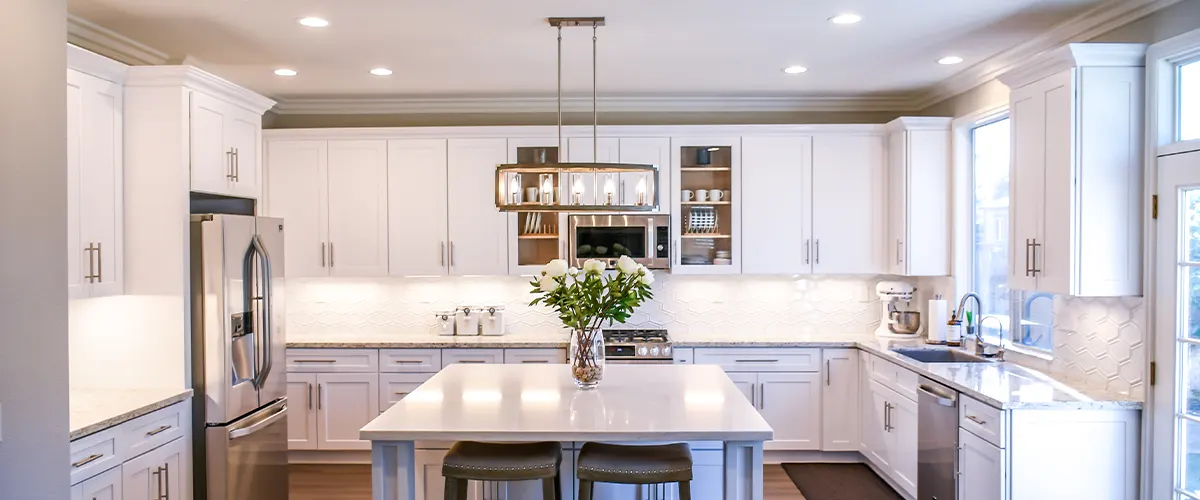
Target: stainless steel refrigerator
pixel 240 406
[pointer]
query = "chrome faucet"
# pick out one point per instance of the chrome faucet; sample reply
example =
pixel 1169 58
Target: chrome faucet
pixel 962 305
pixel 981 347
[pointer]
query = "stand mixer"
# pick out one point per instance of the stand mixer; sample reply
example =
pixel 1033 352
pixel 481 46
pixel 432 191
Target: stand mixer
pixel 896 323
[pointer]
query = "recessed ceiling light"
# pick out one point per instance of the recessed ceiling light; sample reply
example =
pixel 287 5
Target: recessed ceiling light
pixel 794 70
pixel 948 60
pixel 286 72
pixel 313 22
pixel 381 72
pixel 846 18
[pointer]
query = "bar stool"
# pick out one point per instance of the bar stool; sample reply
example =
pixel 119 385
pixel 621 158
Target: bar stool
pixel 475 461
pixel 621 464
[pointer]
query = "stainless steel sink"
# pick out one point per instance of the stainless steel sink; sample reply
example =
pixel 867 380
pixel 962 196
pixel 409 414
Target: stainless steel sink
pixel 940 356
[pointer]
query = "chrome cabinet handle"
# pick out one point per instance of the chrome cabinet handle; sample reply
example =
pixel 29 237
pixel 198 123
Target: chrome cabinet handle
pixel 899 251
pixel 977 420
pixel 91 274
pixel 818 251
pixel 401 394
pixel 451 254
pixel 166 475
pixel 229 158
pixel 827 369
pixel 762 396
pixel 309 400
pixel 472 361
pixel 99 263
pixel 91 458
pixel 408 361
pixel 322 254
pixel 319 405
pixel 957 459
pixel 158 431
pixel 1037 268
pixel 887 417
pixel 442 254
pixel 1027 268
pixel 314 361
pixel 534 361
pixel 807 250
pixel 237 165
pixel 754 395
pixel 158 483
pixel 756 361
pixel 331 254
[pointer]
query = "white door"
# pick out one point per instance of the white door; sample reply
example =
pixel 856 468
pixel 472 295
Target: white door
pixel 902 420
pixel 875 435
pixel 1176 455
pixel 840 400
pixel 478 231
pixel 1027 183
pixel 706 163
pixel 105 486
pixel 242 134
pixel 647 151
pixel 1055 247
pixel 748 384
pixel 396 386
pixel 101 188
pixel 302 411
pixel 897 202
pixel 212 158
pixel 776 218
pixel 78 251
pixel 156 475
pixel 417 207
pixel 982 468
pixel 847 204
pixel 297 191
pixel 176 460
pixel 791 404
pixel 358 208
pixel 345 403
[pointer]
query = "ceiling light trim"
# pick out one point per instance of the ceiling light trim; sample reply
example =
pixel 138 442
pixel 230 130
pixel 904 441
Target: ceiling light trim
pixel 88 35
pixel 663 104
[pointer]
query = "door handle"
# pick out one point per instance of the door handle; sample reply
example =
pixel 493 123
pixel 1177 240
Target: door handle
pixel 762 396
pixel 229 158
pixel 899 251
pixel 237 165
pixel 319 405
pixel 938 396
pixel 442 254
pixel 260 425
pixel 1037 268
pixel 91 274
pixel 158 483
pixel 322 254
pixel 827 366
pixel 887 417
pixel 534 361
pixel 166 480
pixel 451 254
pixel 977 420
pixel 1028 269
pixel 817 252
pixel 158 431
pixel 331 254
pixel 754 395
pixel 807 250
pixel 91 458
pixel 99 263
pixel 309 400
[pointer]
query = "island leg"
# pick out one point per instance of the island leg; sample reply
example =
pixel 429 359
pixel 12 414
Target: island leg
pixel 393 470
pixel 743 470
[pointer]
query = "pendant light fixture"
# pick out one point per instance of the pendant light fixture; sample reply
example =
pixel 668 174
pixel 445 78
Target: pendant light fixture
pixel 564 186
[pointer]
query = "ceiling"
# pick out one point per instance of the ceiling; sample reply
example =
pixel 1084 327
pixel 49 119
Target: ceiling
pixel 490 48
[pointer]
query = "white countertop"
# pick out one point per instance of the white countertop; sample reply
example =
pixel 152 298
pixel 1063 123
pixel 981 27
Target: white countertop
pixel 93 410
pixel 541 402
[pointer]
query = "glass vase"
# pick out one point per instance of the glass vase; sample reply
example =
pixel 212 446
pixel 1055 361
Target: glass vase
pixel 587 357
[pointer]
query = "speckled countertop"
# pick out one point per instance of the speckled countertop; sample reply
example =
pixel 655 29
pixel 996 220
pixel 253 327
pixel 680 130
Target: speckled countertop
pixel 1003 385
pixel 93 410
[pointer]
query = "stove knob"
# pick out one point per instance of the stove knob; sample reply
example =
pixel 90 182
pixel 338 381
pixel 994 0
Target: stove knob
pixel 654 351
pixel 641 351
pixel 666 351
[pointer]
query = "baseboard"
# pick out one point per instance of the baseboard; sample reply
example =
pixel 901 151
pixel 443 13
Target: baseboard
pixel 329 457
pixel 799 457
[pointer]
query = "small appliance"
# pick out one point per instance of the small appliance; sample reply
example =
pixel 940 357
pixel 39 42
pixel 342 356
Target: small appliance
pixel 644 238
pixel 445 322
pixel 895 322
pixel 491 320
pixel 466 320
pixel 637 346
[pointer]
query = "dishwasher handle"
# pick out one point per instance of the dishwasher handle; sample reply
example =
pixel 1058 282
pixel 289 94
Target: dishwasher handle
pixel 940 396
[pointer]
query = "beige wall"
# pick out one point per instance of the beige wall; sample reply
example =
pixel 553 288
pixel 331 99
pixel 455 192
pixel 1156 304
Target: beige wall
pixel 33 251
pixel 496 119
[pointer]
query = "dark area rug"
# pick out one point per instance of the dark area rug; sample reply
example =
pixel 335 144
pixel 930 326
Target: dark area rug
pixel 839 482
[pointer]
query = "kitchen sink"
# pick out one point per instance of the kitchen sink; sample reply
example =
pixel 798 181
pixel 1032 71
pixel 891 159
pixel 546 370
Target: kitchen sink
pixel 940 356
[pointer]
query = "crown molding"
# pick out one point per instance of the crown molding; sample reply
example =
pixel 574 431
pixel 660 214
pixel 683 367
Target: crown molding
pixel 198 79
pixel 1099 20
pixel 919 123
pixel 656 104
pixel 91 63
pixel 1074 55
pixel 571 131
pixel 108 43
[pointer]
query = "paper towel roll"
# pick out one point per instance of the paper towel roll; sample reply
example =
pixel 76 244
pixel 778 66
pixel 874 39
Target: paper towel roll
pixel 939 314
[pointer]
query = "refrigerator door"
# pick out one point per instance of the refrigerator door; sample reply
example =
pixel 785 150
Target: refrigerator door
pixel 247 460
pixel 274 384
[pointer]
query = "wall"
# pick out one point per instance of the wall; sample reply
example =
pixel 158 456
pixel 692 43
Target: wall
pixel 500 119
pixel 111 337
pixel 33 221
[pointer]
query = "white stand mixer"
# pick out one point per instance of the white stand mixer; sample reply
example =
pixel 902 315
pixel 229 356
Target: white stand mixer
pixel 895 323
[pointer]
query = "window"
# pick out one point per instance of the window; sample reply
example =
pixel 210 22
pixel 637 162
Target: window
pixel 1034 312
pixel 1189 101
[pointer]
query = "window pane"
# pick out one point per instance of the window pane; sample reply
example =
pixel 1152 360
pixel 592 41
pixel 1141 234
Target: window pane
pixel 1191 456
pixel 1037 320
pixel 1189 101
pixel 990 144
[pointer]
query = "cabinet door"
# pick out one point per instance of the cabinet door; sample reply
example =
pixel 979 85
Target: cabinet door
pixel 982 468
pixel 791 403
pixel 875 435
pixel 478 232
pixel 748 384
pixel 77 255
pixel 1027 182
pixel 1056 236
pixel 840 400
pixel 175 463
pixel 101 189
pixel 706 163
pixel 345 403
pixel 396 386
pixel 847 204
pixel 776 217
pixel 358 208
pixel 157 474
pixel 302 412
pixel 924 246
pixel 647 151
pixel 104 486
pixel 212 158
pixel 535 238
pixel 417 207
pixel 897 202
pixel 243 131
pixel 297 191
pixel 903 449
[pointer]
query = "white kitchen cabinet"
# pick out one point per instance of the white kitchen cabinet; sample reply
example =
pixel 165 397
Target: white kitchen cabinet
pixel 104 486
pixel 791 404
pixel 302 415
pixel 777 214
pixel 224 147
pixel 839 401
pixel 472 356
pixel 874 426
pixel 748 384
pixel 982 468
pixel 647 151
pixel 158 474
pixel 395 386
pixel 95 219
pixel 847 204
pixel 358 208
pixel 417 201
pixel 478 232
pixel 298 191
pixel 1076 116
pixel 890 435
pixel 535 238
pixel 700 229
pixel 535 356
pixel 345 403
pixel 918 201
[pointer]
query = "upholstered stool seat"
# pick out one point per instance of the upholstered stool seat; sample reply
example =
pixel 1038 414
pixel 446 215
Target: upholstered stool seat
pixel 621 464
pixel 475 461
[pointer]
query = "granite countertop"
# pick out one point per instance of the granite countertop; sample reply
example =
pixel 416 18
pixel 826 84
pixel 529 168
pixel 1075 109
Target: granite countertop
pixel 93 410
pixel 560 340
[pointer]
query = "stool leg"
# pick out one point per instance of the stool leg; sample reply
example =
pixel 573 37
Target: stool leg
pixel 456 489
pixel 557 487
pixel 548 488
pixel 585 489
pixel 685 490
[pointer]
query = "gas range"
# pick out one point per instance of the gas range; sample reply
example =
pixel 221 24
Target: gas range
pixel 637 346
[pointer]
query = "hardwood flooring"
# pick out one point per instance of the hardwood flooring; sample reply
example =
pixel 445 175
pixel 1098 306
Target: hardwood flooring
pixel 353 482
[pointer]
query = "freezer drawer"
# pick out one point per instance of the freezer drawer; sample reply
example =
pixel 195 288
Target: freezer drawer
pixel 247 460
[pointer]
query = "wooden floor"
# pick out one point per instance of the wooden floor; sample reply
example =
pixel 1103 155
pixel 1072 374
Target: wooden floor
pixel 353 482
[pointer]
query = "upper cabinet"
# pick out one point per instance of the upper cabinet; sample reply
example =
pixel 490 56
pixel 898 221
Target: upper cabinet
pixel 706 217
pixel 1076 171
pixel 478 232
pixel 777 220
pixel 417 204
pixel 95 131
pixel 918 186
pixel 847 204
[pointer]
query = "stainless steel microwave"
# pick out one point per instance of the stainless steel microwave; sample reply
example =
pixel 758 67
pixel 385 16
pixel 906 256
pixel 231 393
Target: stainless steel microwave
pixel 645 238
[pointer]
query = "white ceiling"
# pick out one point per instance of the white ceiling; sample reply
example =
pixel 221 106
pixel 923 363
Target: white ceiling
pixel 504 48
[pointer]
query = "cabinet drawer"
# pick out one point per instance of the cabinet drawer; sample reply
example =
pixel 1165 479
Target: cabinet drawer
pixel 893 376
pixel 332 360
pixel 684 355
pixel 91 455
pixel 395 386
pixel 981 420
pixel 410 360
pixel 148 432
pixel 489 356
pixel 527 356
pixel 761 359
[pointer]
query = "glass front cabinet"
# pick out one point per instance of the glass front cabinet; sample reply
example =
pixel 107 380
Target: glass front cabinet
pixel 535 237
pixel 705 215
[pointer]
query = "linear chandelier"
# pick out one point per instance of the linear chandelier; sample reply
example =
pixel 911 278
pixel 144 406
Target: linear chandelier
pixel 542 184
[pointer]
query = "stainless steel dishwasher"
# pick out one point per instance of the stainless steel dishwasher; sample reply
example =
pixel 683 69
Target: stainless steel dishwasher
pixel 937 442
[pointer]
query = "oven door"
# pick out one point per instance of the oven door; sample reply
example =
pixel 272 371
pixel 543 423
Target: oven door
pixel 644 238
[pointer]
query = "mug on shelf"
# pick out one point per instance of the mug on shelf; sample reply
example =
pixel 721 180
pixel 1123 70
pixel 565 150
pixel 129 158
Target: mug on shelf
pixel 687 195
pixel 725 194
pixel 531 195
pixel 701 195
pixel 716 195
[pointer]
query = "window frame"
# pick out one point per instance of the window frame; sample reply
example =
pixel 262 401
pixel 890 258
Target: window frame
pixel 973 254
pixel 1176 98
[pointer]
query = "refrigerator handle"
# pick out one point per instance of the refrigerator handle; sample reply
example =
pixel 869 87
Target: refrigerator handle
pixel 267 310
pixel 250 323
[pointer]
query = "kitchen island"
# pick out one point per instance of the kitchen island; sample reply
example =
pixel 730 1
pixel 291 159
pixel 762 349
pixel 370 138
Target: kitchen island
pixel 635 404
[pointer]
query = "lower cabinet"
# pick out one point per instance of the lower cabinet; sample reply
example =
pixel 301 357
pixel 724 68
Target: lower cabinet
pixel 890 435
pixel 789 402
pixel 158 474
pixel 105 486
pixel 981 468
pixel 302 414
pixel 336 406
pixel 839 404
